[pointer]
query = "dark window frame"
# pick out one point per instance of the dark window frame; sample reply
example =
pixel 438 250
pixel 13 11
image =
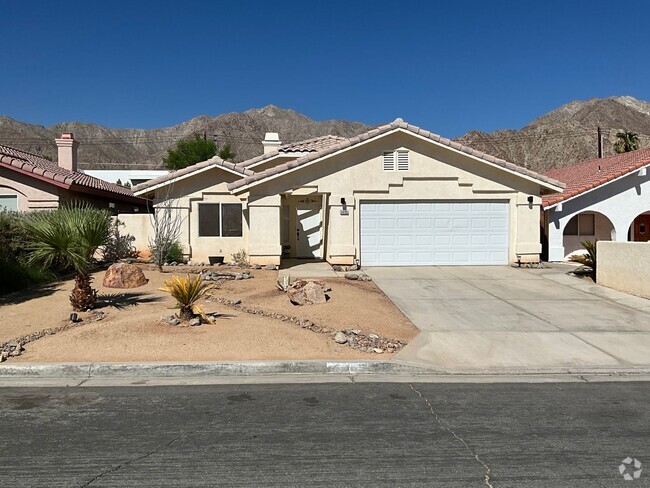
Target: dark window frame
pixel 230 232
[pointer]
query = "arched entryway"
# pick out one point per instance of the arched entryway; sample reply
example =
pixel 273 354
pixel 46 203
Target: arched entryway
pixel 587 226
pixel 639 230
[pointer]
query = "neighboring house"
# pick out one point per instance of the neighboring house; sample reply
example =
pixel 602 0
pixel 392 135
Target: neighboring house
pixel 129 177
pixel 31 182
pixel 396 195
pixel 605 199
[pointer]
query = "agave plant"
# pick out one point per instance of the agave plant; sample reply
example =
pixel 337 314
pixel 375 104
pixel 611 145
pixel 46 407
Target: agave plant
pixel 187 291
pixel 68 238
pixel 588 258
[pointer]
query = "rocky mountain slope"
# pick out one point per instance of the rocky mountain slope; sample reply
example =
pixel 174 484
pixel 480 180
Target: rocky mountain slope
pixel 107 148
pixel 568 134
pixel 562 136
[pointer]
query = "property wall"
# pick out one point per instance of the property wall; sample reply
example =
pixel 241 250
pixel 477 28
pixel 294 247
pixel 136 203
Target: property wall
pixel 139 226
pixel 32 193
pixel 624 266
pixel 436 173
pixel 620 201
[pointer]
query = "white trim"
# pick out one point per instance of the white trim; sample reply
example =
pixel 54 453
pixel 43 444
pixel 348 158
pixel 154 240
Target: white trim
pixel 594 188
pixel 385 134
pixel 186 175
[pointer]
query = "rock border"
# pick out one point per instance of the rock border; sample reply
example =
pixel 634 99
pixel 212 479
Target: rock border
pixel 15 347
pixel 354 338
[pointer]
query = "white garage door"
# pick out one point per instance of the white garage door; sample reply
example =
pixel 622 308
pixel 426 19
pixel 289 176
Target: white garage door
pixel 434 233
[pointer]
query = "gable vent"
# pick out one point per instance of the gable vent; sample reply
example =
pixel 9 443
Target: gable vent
pixel 389 161
pixel 402 160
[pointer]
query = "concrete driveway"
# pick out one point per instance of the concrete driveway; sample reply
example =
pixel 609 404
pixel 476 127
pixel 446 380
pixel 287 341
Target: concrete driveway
pixel 494 318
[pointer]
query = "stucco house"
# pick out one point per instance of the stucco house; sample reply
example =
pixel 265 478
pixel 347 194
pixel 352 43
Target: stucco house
pixel 396 195
pixel 605 199
pixel 31 182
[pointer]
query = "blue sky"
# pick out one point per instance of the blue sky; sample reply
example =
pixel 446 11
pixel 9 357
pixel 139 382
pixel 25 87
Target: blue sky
pixel 447 66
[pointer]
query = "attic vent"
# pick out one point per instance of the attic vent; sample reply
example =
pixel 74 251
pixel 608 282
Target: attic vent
pixel 396 160
pixel 402 160
pixel 389 161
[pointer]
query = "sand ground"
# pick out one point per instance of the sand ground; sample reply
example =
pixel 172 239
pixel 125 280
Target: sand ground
pixel 132 330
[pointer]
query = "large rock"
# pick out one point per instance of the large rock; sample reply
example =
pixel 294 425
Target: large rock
pixel 124 275
pixel 308 294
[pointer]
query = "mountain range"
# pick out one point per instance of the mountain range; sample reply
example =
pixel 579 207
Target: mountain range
pixel 563 136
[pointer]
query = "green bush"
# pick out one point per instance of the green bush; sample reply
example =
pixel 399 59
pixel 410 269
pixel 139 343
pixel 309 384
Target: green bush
pixel 15 270
pixel 175 253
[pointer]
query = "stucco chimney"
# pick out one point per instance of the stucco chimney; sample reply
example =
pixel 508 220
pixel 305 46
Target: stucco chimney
pixel 271 142
pixel 67 147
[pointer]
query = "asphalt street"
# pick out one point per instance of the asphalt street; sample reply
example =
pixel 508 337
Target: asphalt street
pixel 326 435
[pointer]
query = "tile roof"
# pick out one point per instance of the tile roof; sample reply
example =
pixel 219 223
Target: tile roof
pixel 49 170
pixel 173 175
pixel 307 146
pixel 584 176
pixel 397 124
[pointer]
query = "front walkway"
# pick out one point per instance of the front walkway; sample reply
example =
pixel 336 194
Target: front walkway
pixel 307 268
pixel 500 318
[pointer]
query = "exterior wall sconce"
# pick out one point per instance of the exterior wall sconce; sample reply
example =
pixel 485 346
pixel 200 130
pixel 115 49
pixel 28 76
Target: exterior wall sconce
pixel 344 210
pixel 530 199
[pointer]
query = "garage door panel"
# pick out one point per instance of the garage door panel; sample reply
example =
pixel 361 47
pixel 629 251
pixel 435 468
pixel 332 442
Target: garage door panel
pixel 429 233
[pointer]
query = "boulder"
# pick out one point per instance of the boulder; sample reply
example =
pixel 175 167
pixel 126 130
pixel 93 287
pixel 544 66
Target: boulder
pixel 124 275
pixel 308 294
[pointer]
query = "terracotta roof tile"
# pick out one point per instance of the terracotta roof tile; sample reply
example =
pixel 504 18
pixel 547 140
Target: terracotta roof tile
pixel 44 168
pixel 593 173
pixel 212 162
pixel 397 124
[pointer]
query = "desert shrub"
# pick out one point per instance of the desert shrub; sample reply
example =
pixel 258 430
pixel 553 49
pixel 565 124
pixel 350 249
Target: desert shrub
pixel 187 291
pixel 119 246
pixel 589 258
pixel 241 258
pixel 16 271
pixel 175 253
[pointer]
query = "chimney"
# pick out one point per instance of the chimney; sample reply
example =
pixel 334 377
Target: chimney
pixel 67 147
pixel 271 142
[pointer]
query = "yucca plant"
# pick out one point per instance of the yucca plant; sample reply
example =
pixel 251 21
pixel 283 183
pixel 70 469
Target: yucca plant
pixel 187 291
pixel 588 258
pixel 68 238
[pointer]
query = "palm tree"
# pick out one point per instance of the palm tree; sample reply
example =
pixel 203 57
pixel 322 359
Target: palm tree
pixel 626 141
pixel 68 238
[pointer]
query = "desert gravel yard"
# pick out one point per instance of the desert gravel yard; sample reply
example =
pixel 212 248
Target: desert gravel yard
pixel 131 329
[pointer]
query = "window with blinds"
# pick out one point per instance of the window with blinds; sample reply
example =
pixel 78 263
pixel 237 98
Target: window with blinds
pixel 396 161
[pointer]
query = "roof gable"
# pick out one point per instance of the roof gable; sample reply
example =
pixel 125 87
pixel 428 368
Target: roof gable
pixel 174 176
pixel 398 125
pixel 594 173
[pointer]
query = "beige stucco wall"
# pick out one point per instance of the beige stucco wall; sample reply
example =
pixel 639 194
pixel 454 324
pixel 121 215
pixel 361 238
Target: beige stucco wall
pixel 139 226
pixel 624 266
pixel 186 194
pixel 436 173
pixel 32 193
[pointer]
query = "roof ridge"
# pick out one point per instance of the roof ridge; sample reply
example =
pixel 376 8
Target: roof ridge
pixel 37 165
pixel 376 131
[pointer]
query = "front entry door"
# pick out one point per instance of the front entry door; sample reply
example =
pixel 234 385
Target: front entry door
pixel 308 224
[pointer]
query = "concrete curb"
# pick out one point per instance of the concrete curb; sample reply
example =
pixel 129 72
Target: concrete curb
pixel 255 368
pixel 279 368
